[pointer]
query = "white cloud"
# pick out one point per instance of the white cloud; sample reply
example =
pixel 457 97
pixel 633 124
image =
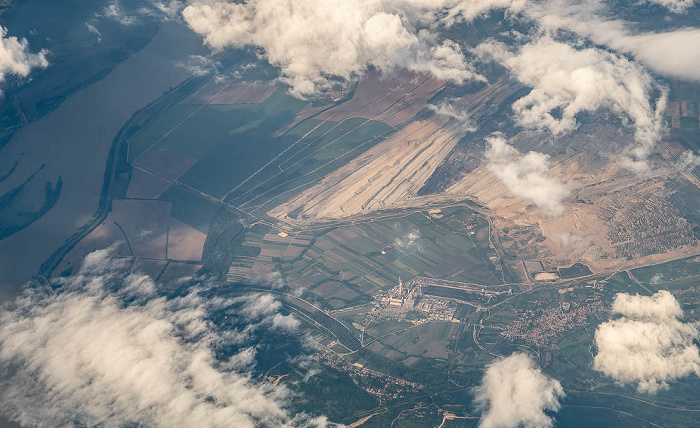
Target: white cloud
pixel 286 323
pixel 115 12
pixel 15 57
pixel 649 345
pixel 91 28
pixel 656 279
pixel 566 81
pixel 515 393
pixel 312 41
pixel 447 110
pixel 170 9
pixel 166 10
pixel 675 6
pixel 461 10
pixel 271 279
pixel 688 161
pixel 569 239
pixel 409 241
pixel 526 176
pixel 200 65
pixel 259 305
pixel 108 352
pixel 244 359
pixel 263 310
pixel 674 53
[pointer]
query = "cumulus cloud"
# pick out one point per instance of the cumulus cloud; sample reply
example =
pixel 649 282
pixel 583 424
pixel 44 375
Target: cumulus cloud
pixel 271 279
pixel 15 57
pixel 566 81
pixel 656 279
pixel 447 109
pixel 526 176
pixel 285 323
pixel 466 10
pixel 169 9
pixel 569 239
pixel 408 242
pixel 165 10
pixel 199 65
pixel 674 53
pixel 259 305
pixel 649 345
pixel 315 42
pixel 107 351
pixel 688 161
pixel 675 6
pixel 261 310
pixel 115 12
pixel 515 393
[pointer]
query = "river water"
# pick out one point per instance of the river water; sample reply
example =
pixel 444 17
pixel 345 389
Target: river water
pixel 73 142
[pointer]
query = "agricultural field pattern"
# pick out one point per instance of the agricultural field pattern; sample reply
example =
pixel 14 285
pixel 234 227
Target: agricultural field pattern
pixel 474 214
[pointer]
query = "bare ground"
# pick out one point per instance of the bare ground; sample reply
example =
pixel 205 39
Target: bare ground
pixel 385 176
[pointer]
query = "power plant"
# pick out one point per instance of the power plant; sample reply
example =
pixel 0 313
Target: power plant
pixel 405 297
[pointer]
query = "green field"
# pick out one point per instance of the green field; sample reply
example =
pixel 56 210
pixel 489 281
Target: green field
pixel 234 143
pixel 322 147
pixel 374 255
pixel 667 273
pixel 190 208
pixel 442 355
pixel 241 155
pixel 243 158
pixel 430 339
pixel 230 142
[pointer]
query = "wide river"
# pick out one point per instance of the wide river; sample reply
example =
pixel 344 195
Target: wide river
pixel 73 142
